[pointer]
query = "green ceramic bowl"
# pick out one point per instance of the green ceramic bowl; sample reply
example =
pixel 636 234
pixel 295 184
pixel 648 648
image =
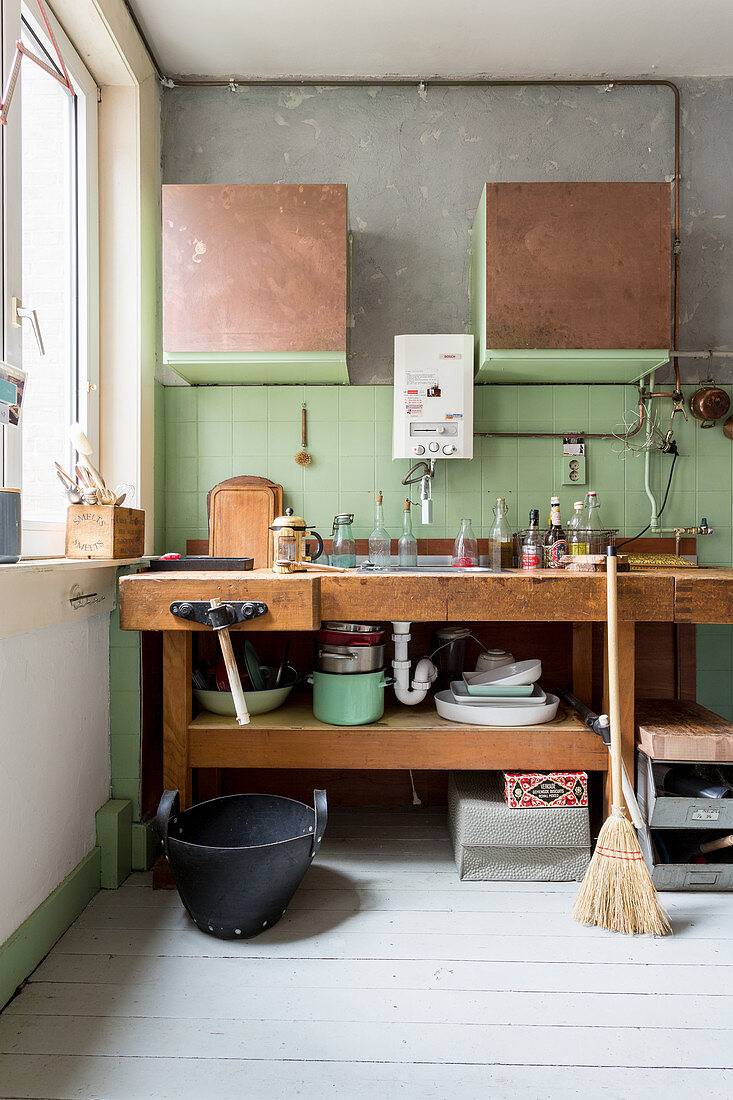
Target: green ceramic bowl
pixel 258 702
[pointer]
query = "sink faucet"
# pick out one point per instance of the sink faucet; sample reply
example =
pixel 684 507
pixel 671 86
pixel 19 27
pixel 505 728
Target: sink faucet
pixel 423 472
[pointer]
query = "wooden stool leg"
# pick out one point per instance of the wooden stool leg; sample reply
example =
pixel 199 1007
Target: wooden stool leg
pixel 177 711
pixel 627 671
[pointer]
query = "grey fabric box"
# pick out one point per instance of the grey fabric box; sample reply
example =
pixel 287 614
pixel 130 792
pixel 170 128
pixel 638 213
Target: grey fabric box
pixel 493 841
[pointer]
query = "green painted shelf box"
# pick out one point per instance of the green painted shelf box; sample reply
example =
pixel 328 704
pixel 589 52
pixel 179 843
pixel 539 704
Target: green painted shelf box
pixel 571 282
pixel 255 283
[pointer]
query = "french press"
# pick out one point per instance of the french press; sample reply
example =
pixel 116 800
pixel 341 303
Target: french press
pixel 289 535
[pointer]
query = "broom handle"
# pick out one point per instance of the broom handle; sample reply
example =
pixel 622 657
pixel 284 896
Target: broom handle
pixel 614 708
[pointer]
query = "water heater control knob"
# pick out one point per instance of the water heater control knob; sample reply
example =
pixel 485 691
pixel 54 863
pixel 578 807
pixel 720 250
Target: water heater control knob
pixel 449 449
pixel 419 449
pixel 433 446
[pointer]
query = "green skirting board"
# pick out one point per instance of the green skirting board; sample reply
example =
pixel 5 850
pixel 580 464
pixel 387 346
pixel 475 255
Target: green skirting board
pixel 30 943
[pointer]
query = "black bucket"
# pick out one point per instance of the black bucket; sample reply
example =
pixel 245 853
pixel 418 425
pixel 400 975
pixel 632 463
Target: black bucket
pixel 238 860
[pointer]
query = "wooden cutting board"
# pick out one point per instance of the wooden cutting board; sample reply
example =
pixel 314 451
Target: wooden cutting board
pixel 241 510
pixel 677 729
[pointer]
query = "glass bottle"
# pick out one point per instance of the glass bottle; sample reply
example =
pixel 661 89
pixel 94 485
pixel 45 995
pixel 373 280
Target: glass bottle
pixel 465 548
pixel 407 545
pixel 555 542
pixel 343 551
pixel 379 540
pixel 500 539
pixel 577 538
pixel 593 525
pixel 532 545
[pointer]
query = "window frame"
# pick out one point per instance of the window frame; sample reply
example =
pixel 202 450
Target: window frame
pixel 41 538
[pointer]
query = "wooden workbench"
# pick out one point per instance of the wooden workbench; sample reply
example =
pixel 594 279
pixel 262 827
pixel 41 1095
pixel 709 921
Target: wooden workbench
pixel 407 737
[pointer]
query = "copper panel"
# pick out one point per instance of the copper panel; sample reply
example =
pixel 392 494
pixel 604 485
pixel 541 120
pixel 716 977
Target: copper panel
pixel 578 265
pixel 254 267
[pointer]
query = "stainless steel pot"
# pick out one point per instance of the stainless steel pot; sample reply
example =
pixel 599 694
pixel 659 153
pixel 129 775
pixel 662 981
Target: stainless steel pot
pixel 353 628
pixel 349 658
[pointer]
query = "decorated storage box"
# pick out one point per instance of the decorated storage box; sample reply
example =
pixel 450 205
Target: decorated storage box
pixel 492 840
pixel 538 790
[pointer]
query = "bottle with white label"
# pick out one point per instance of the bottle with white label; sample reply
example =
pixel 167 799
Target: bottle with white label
pixel 555 541
pixel 532 544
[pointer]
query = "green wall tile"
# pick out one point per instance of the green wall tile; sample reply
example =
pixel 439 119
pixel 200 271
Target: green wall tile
pixel 249 438
pixel 286 403
pixel 181 474
pixel 321 475
pixel 357 474
pixel 125 754
pixel 570 408
pixel 322 404
pixel 182 439
pixel 214 403
pixel 124 712
pixel 183 508
pixel 283 439
pixel 357 438
pixel 215 439
pixel 211 471
pixel 249 403
pixel 124 673
pixel 181 403
pixel 356 403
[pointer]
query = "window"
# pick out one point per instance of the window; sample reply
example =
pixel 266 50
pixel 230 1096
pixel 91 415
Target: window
pixel 50 205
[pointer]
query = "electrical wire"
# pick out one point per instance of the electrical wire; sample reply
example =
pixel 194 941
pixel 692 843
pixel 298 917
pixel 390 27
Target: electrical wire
pixel 675 454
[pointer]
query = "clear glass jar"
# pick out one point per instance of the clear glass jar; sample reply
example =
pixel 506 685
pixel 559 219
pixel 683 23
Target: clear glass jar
pixel 343 550
pixel 465 548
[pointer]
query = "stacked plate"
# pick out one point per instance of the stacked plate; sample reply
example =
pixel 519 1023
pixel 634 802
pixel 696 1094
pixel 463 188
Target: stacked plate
pixel 506 696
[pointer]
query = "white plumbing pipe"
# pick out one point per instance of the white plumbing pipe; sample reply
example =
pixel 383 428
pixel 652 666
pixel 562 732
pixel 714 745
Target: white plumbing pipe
pixel 425 670
pixel 654 520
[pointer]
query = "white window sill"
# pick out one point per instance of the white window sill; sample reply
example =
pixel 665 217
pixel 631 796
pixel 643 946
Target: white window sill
pixel 42 592
pixel 46 565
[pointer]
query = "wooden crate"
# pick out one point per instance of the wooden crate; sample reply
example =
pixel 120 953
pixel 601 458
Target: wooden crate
pixel 104 531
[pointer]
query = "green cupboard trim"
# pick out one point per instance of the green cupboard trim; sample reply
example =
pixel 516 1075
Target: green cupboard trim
pixel 145 845
pixel 29 944
pixel 256 368
pixel 515 366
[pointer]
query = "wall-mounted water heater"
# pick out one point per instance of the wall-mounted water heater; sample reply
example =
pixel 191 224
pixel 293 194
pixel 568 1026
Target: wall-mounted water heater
pixel 433 397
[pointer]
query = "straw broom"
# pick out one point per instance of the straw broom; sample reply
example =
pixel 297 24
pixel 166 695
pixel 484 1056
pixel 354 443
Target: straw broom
pixel 617 892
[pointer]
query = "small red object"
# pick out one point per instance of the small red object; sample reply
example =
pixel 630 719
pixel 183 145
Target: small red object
pixel 170 557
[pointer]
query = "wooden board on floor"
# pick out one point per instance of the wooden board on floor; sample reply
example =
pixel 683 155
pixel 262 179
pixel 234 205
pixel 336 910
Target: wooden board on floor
pixel 678 729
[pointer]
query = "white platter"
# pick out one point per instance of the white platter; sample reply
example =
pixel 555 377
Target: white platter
pixel 522 672
pixel 447 707
pixel 460 694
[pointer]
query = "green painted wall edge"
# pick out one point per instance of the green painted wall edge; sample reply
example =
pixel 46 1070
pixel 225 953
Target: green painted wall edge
pixel 582 367
pixel 145 845
pixel 29 944
pixel 259 368
pixel 114 837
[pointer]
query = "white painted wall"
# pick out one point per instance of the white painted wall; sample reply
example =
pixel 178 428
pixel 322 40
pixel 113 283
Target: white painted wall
pixel 54 758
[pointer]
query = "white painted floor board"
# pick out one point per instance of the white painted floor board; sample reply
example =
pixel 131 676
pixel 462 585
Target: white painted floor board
pixel 387 978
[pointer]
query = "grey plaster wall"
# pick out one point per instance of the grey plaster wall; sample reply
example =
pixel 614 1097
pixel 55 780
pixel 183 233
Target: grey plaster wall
pixel 415 164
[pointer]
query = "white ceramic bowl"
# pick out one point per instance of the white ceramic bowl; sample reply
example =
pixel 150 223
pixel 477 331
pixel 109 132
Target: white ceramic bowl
pixel 447 707
pixel 522 672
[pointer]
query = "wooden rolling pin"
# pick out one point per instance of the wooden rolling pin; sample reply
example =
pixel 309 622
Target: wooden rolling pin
pixel 235 682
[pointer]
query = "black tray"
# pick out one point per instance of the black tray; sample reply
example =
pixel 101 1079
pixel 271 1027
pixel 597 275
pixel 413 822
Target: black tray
pixel 201 563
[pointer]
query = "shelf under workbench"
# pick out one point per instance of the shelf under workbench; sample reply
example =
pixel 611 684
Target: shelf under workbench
pixel 406 737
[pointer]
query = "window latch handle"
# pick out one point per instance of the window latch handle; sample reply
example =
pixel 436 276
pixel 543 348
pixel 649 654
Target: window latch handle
pixel 19 312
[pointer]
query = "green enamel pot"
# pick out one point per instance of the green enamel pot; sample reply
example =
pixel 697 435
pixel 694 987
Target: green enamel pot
pixel 354 700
